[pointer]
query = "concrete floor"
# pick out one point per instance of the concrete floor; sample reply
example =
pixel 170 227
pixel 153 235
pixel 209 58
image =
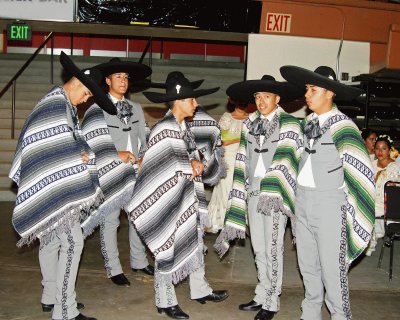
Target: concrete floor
pixel 373 296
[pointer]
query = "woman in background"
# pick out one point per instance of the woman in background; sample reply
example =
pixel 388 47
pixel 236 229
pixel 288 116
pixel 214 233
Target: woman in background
pixel 231 125
pixel 385 169
pixel 369 137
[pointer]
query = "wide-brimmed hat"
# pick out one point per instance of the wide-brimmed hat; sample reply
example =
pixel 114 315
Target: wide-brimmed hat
pixel 136 71
pixel 177 87
pixel 91 79
pixel 195 84
pixel 323 77
pixel 244 91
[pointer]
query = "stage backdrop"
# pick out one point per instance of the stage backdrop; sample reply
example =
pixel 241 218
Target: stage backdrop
pixel 57 10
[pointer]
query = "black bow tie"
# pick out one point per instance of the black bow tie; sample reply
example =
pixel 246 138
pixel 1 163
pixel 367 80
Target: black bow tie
pixel 259 126
pixel 124 110
pixel 312 129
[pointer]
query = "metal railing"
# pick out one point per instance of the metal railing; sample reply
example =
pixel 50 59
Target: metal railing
pixel 13 80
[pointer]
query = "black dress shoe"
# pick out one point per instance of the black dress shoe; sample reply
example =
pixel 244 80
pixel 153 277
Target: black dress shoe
pixel 264 315
pixel 82 317
pixel 120 280
pixel 174 312
pixel 50 307
pixel 149 270
pixel 215 296
pixel 251 306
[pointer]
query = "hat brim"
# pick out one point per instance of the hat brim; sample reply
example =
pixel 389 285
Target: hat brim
pixel 99 95
pixel 157 97
pixel 136 71
pixel 244 91
pixel 194 84
pixel 301 77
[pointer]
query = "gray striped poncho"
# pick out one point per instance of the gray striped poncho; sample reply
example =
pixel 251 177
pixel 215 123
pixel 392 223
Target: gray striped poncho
pixel 168 206
pixel 207 135
pixel 117 179
pixel 277 188
pixel 55 188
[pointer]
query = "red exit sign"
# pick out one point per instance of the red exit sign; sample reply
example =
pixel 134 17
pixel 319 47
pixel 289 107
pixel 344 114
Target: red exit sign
pixel 278 22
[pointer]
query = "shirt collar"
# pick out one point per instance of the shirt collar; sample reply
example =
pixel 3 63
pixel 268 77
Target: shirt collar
pixel 322 117
pixel 113 99
pixel 269 117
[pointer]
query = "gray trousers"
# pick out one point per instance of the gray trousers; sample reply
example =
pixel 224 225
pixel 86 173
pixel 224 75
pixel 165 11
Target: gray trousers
pixel 109 245
pixel 59 262
pixel 165 293
pixel 267 239
pixel 321 250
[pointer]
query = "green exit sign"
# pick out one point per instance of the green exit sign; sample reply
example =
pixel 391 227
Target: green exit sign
pixel 19 31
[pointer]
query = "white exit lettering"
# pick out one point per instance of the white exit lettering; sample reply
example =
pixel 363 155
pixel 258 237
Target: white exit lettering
pixel 278 22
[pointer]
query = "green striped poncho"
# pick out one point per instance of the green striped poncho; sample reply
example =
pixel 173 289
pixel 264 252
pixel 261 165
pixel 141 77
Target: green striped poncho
pixel 359 182
pixel 278 186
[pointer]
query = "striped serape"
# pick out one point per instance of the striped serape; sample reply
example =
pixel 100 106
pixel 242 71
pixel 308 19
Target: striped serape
pixel 55 188
pixel 167 206
pixel 207 135
pixel 359 181
pixel 278 186
pixel 117 179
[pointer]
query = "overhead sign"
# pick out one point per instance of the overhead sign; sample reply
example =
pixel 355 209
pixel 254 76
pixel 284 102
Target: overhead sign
pixel 19 31
pixel 48 10
pixel 278 22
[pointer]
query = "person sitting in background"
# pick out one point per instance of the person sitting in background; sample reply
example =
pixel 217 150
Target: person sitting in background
pixel 231 126
pixel 369 137
pixel 386 169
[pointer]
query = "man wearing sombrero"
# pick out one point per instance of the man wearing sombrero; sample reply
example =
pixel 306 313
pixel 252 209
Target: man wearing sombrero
pixel 264 184
pixel 335 194
pixel 169 207
pixel 207 135
pixel 58 186
pixel 119 142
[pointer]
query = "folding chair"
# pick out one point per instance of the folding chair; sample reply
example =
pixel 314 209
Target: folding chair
pixel 391 220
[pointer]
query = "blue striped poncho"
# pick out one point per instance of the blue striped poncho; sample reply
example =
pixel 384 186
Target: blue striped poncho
pixel 278 187
pixel 117 179
pixel 56 189
pixel 207 135
pixel 168 206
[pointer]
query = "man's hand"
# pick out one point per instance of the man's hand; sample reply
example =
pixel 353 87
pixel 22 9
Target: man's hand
pixel 197 168
pixel 126 157
pixel 85 157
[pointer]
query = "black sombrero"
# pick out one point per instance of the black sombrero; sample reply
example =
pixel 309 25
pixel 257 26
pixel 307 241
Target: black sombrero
pixel 244 91
pixel 323 77
pixel 91 79
pixel 136 71
pixel 141 85
pixel 177 87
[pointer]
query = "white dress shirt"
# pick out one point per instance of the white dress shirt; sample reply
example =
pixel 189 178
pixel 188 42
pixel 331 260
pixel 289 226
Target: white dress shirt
pixel 260 168
pixel 305 177
pixel 129 143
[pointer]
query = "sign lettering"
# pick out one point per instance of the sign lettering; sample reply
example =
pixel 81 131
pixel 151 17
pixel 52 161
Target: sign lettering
pixel 278 22
pixel 19 31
